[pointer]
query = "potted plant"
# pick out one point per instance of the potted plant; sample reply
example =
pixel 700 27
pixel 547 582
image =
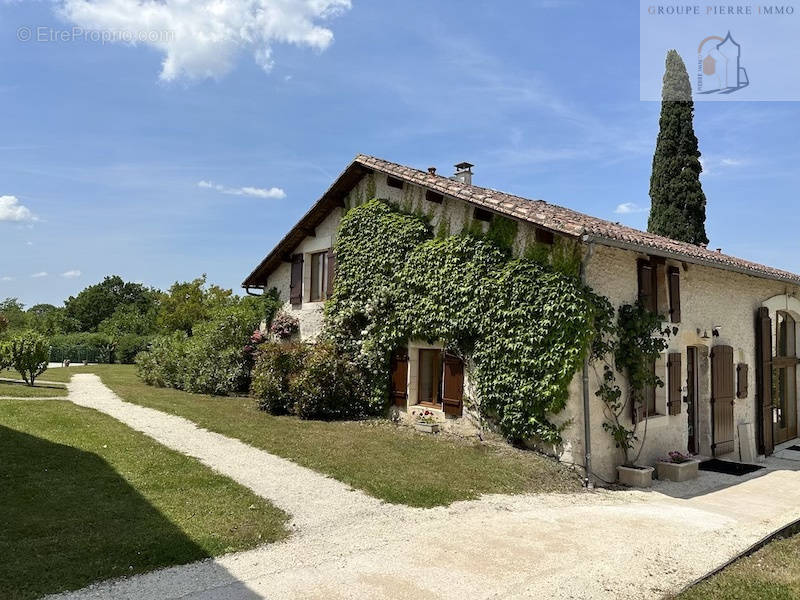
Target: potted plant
pixel 426 422
pixel 635 343
pixel 678 467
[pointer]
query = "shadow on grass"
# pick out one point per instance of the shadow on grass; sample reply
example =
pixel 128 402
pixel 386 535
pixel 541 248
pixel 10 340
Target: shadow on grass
pixel 69 519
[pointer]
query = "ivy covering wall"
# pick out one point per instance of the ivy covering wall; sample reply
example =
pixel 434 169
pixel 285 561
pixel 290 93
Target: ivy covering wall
pixel 523 326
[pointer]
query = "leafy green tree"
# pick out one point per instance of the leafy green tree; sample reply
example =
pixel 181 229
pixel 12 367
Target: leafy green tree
pixel 29 354
pixel 50 320
pixel 98 302
pixel 190 303
pixel 13 311
pixel 678 204
pixel 129 319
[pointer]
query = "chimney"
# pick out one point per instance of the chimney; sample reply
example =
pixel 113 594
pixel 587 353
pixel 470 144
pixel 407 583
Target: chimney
pixel 432 170
pixel 464 173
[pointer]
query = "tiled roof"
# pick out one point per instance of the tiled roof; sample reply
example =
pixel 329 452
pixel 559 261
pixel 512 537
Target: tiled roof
pixel 542 214
pixel 572 223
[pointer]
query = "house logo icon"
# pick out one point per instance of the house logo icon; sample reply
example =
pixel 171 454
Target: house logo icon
pixel 719 69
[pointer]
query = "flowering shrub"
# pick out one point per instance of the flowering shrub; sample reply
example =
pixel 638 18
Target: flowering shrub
pixel 284 326
pixel 275 365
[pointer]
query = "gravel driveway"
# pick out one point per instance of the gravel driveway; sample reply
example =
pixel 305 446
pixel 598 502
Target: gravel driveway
pixel 606 544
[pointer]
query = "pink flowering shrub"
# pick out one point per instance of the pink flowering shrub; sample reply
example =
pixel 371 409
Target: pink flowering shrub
pixel 284 326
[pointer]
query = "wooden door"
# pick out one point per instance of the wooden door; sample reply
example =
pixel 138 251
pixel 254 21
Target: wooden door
pixel 400 378
pixel 722 400
pixel 691 400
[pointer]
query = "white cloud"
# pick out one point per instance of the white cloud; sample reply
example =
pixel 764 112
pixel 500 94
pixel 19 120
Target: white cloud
pixel 71 274
pixel 12 210
pixel 202 38
pixel 731 162
pixel 627 208
pixel 39 274
pixel 273 192
pixel 6 278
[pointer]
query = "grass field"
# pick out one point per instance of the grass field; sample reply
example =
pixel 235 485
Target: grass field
pixel 772 573
pixel 388 462
pixel 21 390
pixel 84 498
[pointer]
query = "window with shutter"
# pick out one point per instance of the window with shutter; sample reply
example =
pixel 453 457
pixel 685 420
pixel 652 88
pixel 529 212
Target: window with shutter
pixel 674 383
pixel 453 385
pixel 675 294
pixel 647 285
pixel 319 276
pixel 296 283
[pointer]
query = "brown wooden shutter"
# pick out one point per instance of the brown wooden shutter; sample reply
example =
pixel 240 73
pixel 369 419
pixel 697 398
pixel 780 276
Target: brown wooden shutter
pixel 675 294
pixel 722 400
pixel 741 380
pixel 647 287
pixel 453 386
pixel 296 284
pixel 674 383
pixel 331 273
pixel 400 377
pixel 766 443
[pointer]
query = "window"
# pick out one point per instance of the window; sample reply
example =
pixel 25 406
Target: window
pixel 786 343
pixel 319 276
pixel 394 182
pixel 430 376
pixel 483 215
pixel 784 378
pixel 434 197
pixel 649 401
pixel 542 236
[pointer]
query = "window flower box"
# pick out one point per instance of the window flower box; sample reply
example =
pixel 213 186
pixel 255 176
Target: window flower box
pixel 641 477
pixel 426 427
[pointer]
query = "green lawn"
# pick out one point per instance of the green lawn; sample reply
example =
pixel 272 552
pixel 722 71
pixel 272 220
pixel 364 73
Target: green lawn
pixel 85 498
pixel 388 462
pixel 22 390
pixel 772 573
pixel 59 374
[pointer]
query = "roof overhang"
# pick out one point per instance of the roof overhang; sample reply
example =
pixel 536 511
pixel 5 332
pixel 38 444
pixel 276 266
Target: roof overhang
pixel 330 200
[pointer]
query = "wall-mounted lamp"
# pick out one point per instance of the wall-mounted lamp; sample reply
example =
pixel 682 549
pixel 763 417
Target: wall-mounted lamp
pixel 715 330
pixel 705 334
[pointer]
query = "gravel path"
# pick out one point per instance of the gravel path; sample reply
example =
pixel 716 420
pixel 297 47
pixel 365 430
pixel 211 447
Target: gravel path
pixel 631 544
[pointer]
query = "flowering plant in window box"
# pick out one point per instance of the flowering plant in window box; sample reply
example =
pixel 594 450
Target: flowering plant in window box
pixel 678 467
pixel 425 421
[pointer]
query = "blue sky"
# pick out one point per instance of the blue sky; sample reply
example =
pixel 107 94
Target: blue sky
pixel 103 148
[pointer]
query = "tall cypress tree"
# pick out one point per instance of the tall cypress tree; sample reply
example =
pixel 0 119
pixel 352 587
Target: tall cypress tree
pixel 678 204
